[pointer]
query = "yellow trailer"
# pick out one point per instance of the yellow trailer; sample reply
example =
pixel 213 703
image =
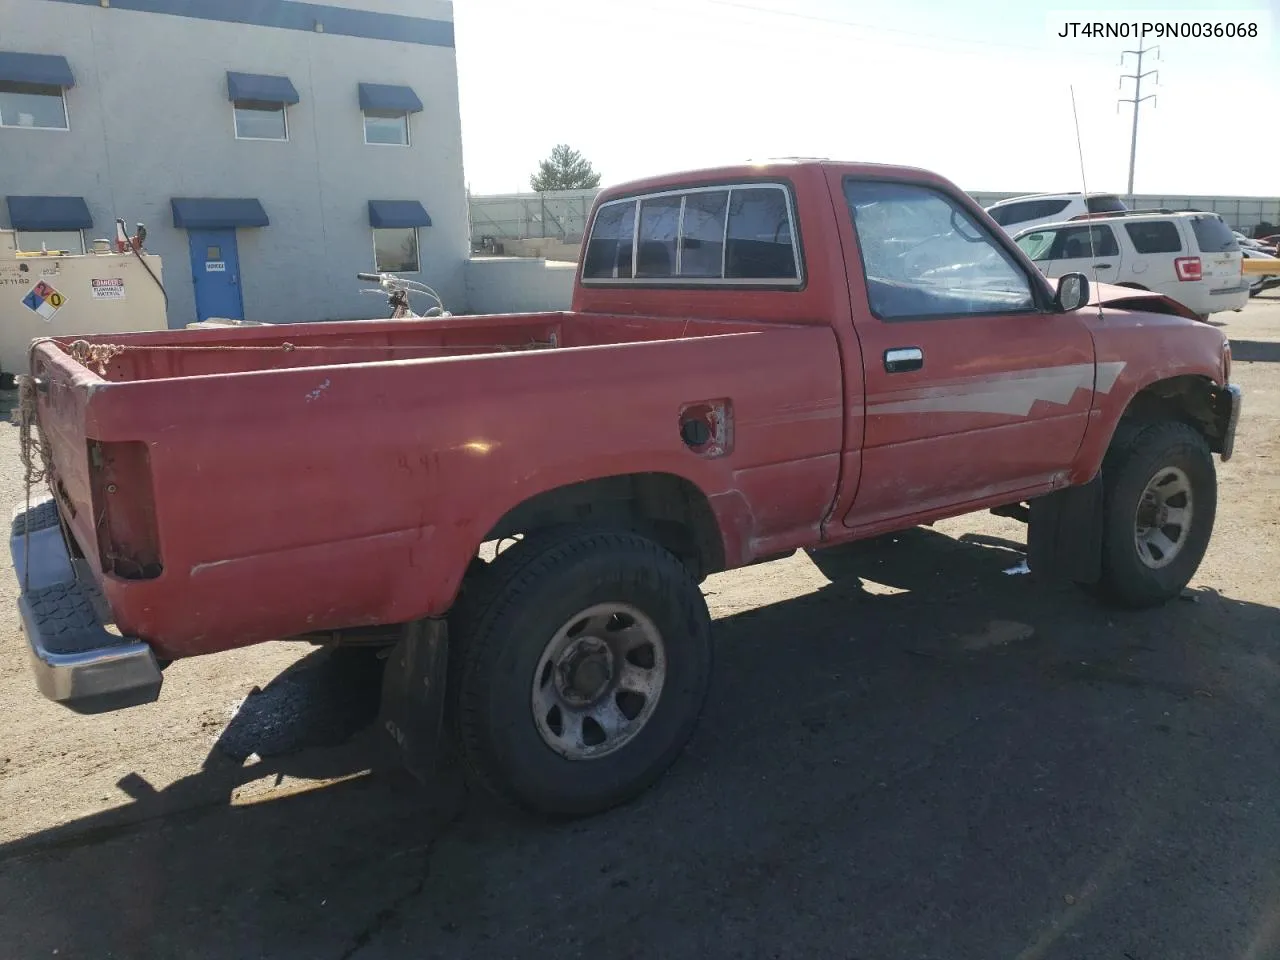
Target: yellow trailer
pixel 58 294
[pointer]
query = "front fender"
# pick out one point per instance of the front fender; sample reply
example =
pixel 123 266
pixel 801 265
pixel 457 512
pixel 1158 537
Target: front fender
pixel 1155 365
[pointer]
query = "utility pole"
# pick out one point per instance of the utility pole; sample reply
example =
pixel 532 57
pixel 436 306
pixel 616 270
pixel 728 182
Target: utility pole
pixel 1137 98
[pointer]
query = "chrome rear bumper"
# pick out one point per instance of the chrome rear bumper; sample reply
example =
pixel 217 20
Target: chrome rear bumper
pixel 76 660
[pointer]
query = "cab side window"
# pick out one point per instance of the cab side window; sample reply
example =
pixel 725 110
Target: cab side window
pixel 1078 243
pixel 1158 236
pixel 925 257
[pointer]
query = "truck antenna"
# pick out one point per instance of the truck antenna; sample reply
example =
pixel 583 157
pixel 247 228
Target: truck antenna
pixel 1093 256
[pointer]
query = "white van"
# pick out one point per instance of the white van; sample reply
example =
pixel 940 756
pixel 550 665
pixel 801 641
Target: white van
pixel 1189 257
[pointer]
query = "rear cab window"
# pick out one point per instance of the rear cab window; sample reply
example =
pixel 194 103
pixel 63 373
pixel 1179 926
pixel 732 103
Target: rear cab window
pixel 730 234
pixel 1157 236
pixel 1213 235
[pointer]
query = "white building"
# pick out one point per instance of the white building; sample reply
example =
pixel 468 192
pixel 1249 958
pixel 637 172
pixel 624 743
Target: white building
pixel 273 148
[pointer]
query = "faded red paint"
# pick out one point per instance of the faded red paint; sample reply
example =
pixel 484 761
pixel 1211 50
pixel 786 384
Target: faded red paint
pixel 349 481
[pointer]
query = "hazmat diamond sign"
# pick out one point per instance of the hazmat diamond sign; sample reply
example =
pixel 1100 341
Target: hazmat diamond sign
pixel 44 300
pixel 112 289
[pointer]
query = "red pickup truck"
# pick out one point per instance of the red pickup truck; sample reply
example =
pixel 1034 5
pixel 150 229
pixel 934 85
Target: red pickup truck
pixel 758 359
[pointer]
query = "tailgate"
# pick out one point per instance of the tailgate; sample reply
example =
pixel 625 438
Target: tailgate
pixel 57 402
pixel 1221 270
pixel 1220 255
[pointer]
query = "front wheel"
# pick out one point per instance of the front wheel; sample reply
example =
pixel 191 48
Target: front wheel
pixel 1161 497
pixel 583 664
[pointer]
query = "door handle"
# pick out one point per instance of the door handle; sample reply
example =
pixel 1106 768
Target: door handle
pixel 903 359
pixel 1102 266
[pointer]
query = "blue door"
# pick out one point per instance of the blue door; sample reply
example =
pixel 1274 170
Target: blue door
pixel 215 269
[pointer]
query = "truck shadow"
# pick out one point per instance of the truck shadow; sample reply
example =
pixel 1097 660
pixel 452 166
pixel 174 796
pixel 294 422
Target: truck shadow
pixel 916 712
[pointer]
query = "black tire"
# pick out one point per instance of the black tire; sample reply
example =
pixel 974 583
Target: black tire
pixel 499 630
pixel 1138 453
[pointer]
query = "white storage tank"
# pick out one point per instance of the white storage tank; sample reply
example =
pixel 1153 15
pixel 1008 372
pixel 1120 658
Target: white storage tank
pixel 57 294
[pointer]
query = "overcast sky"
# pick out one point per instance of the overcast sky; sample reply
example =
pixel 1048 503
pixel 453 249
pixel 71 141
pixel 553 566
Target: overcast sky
pixel 978 90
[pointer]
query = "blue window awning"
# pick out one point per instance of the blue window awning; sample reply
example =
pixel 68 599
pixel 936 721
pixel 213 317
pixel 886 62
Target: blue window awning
pixel 260 87
pixel 36 68
pixel 49 213
pixel 381 96
pixel 211 213
pixel 398 213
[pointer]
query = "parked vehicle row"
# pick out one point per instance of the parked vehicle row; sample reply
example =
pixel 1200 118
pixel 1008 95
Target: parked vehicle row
pixel 1192 258
pixel 1264 281
pixel 1249 243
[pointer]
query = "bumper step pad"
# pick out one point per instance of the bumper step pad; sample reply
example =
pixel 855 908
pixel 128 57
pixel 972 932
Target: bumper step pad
pixel 77 661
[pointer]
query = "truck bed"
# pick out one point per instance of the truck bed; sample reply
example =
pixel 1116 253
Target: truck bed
pixel 224 351
pixel 298 468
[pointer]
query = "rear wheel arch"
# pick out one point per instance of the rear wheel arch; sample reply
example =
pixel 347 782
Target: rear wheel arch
pixel 668 509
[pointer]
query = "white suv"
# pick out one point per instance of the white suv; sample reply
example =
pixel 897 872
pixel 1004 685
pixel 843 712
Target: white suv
pixel 1021 213
pixel 1189 257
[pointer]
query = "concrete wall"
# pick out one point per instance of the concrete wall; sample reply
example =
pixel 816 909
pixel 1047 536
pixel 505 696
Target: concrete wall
pixel 544 249
pixel 150 120
pixel 514 285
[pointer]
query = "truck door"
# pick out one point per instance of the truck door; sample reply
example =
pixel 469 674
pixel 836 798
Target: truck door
pixel 975 388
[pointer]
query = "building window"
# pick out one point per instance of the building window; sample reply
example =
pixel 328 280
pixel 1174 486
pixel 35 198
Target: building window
pixel 69 241
pixel 395 249
pixel 37 106
pixel 260 120
pixel 387 127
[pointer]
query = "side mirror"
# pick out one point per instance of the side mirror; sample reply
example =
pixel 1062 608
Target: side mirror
pixel 1073 292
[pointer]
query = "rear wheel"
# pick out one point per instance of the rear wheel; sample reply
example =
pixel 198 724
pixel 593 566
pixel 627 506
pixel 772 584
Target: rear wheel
pixel 582 664
pixel 1161 494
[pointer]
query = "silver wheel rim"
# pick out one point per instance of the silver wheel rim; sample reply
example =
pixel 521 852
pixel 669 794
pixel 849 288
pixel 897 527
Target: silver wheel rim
pixel 598 681
pixel 1162 522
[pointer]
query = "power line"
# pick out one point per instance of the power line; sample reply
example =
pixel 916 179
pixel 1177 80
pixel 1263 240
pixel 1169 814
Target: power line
pixel 1136 100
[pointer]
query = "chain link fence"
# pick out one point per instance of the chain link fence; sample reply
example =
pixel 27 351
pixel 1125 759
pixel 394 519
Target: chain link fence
pixel 556 215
